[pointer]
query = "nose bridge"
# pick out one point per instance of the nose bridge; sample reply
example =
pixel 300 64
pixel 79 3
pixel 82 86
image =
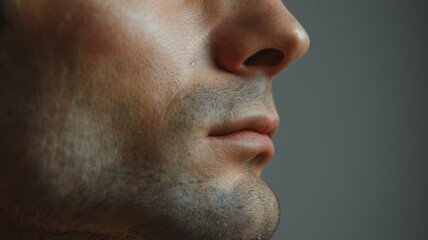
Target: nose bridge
pixel 258 36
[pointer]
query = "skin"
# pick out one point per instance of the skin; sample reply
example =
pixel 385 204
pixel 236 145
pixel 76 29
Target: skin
pixel 107 108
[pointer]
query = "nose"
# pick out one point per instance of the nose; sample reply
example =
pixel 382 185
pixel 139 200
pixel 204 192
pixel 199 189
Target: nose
pixel 261 37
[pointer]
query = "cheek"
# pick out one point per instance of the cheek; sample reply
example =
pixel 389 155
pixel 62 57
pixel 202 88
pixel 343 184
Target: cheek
pixel 113 76
pixel 123 72
pixel 142 73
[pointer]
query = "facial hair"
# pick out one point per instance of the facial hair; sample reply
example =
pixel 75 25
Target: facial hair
pixel 97 177
pixel 197 200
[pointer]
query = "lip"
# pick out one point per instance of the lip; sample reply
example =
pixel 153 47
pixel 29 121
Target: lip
pixel 259 123
pixel 249 137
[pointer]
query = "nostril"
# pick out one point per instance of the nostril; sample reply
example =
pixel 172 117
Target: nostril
pixel 268 57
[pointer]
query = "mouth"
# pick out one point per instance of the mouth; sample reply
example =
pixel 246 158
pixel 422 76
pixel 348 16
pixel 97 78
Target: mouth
pixel 249 137
pixel 259 123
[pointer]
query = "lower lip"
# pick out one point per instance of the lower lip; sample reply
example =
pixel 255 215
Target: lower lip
pixel 248 140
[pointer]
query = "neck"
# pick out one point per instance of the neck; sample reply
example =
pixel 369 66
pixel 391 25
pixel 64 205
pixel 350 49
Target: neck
pixel 11 230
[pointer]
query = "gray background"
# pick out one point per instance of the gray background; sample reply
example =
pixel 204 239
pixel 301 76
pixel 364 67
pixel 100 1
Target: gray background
pixel 352 149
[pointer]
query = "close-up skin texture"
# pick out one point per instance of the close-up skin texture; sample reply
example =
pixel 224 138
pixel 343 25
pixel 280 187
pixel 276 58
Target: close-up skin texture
pixel 140 119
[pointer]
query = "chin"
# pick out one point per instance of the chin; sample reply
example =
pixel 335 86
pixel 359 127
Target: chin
pixel 245 208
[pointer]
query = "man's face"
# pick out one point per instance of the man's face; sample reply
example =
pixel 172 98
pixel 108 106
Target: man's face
pixel 142 118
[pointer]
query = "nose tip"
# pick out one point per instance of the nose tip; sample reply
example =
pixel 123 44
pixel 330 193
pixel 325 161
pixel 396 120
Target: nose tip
pixel 297 44
pixel 265 39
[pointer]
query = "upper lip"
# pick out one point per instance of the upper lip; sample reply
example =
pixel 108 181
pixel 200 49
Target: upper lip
pixel 260 123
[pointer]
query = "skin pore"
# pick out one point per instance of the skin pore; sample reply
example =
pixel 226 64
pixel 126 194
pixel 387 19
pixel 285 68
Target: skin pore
pixel 107 109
